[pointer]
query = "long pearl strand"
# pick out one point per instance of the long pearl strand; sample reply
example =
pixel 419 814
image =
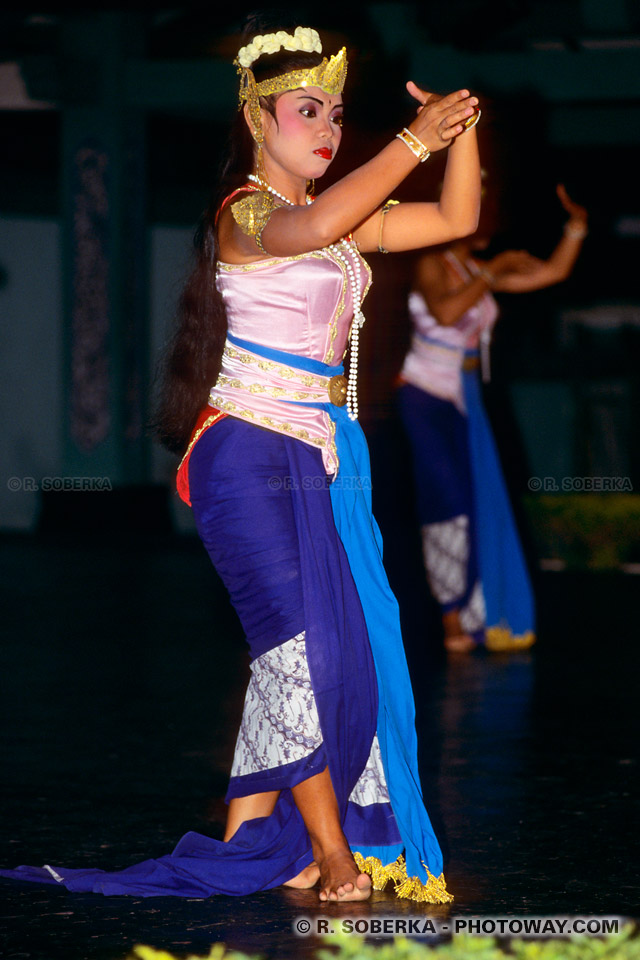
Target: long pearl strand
pixel 347 253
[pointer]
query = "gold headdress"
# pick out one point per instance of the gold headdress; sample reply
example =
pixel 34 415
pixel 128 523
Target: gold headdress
pixel 329 75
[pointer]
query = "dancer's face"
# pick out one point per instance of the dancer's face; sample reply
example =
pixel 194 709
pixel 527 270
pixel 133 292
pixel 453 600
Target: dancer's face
pixel 303 137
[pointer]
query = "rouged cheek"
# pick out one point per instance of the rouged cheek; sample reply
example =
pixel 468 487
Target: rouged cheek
pixel 292 124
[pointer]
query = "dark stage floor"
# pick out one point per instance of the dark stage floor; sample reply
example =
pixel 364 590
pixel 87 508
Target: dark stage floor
pixel 123 676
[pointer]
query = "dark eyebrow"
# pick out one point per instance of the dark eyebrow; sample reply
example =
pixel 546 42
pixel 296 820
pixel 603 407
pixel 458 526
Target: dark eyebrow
pixel 307 96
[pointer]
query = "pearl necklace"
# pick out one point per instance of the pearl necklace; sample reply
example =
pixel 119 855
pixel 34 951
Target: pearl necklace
pixel 346 252
pixel 267 186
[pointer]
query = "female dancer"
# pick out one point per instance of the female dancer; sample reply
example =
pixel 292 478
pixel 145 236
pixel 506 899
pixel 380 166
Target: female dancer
pixel 472 553
pixel 276 471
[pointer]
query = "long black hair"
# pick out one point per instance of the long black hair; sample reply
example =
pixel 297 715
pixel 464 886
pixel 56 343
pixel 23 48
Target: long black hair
pixel 193 357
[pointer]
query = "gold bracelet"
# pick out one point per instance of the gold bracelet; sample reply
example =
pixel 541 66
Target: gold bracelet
pixel 416 146
pixel 383 213
pixel 471 122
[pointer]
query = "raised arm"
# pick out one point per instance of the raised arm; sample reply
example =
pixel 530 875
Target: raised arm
pixel 347 205
pixel 410 226
pixel 561 262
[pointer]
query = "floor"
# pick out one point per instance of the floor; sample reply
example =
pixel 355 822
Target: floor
pixel 123 674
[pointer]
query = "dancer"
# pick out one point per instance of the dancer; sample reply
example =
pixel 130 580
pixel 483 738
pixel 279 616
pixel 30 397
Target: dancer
pixel 472 553
pixel 276 469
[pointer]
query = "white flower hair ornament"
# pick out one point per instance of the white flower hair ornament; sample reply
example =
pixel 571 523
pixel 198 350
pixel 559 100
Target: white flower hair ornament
pixel 303 38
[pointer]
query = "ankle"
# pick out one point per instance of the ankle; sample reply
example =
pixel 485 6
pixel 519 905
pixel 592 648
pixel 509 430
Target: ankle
pixel 329 847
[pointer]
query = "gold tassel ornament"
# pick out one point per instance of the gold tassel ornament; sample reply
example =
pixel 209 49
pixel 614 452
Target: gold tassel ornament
pixel 501 639
pixel 406 888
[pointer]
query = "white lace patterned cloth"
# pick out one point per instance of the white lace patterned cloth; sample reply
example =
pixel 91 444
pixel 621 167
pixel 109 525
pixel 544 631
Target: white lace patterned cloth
pixel 446 546
pixel 280 721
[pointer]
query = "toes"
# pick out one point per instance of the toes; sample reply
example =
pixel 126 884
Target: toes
pixel 345 888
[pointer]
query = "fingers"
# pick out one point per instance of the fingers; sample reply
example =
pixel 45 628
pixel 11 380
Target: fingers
pixel 440 119
pixel 454 121
pixel 420 95
pixel 426 96
pixel 573 208
pixel 564 197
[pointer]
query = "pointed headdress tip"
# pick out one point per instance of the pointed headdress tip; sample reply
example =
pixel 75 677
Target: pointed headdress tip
pixel 335 73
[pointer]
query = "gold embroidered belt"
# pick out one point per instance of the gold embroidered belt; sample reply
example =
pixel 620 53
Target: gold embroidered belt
pixel 279 397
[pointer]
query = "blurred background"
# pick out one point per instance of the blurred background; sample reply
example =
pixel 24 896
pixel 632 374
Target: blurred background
pixel 113 121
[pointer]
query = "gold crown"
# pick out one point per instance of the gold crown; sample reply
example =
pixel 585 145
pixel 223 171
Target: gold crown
pixel 329 75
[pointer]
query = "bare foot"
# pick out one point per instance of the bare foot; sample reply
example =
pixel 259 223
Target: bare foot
pixel 462 643
pixel 456 639
pixel 340 879
pixel 306 879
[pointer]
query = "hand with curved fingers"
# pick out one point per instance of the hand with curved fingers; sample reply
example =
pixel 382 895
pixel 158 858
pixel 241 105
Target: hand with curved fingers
pixel 577 214
pixel 530 273
pixel 440 119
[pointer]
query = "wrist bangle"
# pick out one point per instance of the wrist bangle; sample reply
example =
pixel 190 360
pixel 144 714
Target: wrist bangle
pixel 383 212
pixel 471 122
pixel 575 232
pixel 416 146
pixel 487 276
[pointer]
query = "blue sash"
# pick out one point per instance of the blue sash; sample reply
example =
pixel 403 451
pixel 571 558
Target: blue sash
pixel 503 570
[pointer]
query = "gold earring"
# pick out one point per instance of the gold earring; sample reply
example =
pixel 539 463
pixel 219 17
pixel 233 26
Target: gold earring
pixel 261 173
pixel 311 188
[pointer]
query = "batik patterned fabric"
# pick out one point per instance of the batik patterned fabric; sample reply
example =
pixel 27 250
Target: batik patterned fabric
pixel 280 720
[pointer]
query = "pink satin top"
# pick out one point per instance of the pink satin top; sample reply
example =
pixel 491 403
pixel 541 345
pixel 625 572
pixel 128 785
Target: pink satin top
pixel 302 305
pixel 436 355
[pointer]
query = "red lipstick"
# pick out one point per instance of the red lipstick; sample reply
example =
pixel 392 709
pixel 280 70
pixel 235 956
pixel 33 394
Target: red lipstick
pixel 325 152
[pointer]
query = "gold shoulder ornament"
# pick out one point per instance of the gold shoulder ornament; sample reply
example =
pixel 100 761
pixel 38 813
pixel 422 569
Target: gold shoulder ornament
pixel 252 214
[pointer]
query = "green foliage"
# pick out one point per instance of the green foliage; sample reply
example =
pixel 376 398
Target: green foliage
pixel 595 530
pixel 461 947
pixel 623 946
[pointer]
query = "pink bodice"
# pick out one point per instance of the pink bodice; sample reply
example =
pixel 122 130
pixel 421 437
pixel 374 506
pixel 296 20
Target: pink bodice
pixel 302 306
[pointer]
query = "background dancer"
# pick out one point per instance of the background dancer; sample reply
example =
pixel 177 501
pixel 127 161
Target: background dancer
pixel 473 559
